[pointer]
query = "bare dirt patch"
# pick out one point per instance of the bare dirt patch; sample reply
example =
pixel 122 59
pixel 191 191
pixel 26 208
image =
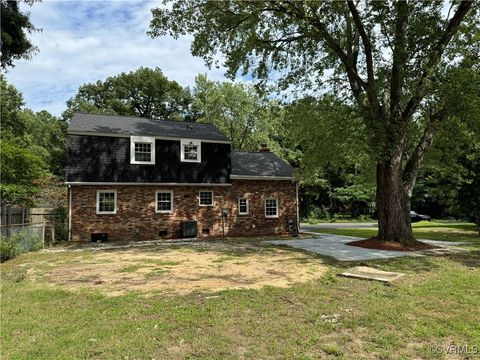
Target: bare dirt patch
pixel 181 269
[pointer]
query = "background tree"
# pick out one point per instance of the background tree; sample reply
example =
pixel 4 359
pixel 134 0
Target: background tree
pixel 247 118
pixel 15 27
pixel 384 57
pixel 144 92
pixel 33 146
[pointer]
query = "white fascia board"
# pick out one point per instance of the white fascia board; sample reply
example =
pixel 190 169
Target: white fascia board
pixel 143 184
pixel 245 177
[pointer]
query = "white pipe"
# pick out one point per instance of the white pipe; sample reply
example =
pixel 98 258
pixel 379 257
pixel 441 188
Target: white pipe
pixel 70 212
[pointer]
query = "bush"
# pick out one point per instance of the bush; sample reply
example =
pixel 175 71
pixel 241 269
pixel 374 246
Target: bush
pixel 19 243
pixel 7 249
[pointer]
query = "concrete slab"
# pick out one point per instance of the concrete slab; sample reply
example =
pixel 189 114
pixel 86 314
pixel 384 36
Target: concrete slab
pixel 336 246
pixel 368 273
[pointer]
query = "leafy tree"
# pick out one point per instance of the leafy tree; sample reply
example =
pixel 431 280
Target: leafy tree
pixel 19 168
pixel 247 118
pixel 387 58
pixel 46 135
pixel 144 92
pixel 33 145
pixel 15 27
pixel 11 102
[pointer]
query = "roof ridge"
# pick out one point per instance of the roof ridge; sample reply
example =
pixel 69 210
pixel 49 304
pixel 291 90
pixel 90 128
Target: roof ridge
pixel 144 118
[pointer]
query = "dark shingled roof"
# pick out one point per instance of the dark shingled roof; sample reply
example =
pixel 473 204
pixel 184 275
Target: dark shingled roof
pixel 259 164
pixel 131 125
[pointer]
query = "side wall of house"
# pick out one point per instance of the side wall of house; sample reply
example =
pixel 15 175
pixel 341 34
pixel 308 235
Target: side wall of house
pixel 136 218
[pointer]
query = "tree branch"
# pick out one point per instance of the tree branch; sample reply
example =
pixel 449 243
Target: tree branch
pixel 413 164
pixel 399 58
pixel 367 45
pixel 356 82
pixel 434 58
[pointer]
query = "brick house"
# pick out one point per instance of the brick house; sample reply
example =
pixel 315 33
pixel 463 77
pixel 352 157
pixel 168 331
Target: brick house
pixel 139 179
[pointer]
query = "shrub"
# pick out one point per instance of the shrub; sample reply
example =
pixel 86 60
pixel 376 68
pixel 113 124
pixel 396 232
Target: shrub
pixel 7 249
pixel 19 243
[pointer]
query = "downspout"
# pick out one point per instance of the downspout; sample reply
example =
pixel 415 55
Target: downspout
pixel 69 212
pixel 298 206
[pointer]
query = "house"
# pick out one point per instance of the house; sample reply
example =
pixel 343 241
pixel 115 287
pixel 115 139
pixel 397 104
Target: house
pixel 132 178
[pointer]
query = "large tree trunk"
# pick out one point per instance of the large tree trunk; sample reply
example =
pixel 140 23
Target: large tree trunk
pixel 393 204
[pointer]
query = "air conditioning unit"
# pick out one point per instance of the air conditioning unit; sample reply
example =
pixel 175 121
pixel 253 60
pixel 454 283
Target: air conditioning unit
pixel 189 229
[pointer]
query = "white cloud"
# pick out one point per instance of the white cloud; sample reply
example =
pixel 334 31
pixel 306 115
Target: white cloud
pixel 84 41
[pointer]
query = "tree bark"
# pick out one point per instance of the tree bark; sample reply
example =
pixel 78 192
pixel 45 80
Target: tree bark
pixel 393 204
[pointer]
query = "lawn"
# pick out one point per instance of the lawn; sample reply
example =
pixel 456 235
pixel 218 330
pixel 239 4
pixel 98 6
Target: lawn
pixel 422 230
pixel 123 304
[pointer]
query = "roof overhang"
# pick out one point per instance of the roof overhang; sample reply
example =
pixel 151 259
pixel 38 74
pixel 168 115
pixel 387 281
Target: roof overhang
pixel 250 177
pixel 142 184
pixel 94 133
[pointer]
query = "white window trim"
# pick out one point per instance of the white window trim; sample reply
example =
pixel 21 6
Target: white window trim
pixel 265 206
pixel 142 139
pixel 194 142
pixel 156 202
pixel 248 206
pixel 199 198
pixel 98 202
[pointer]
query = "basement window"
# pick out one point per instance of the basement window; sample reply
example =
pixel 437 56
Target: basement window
pixel 106 201
pixel 164 201
pixel 243 206
pixel 190 150
pixel 271 208
pixel 205 198
pixel 142 150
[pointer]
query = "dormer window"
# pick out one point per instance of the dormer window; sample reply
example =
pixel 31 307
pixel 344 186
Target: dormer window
pixel 190 150
pixel 142 150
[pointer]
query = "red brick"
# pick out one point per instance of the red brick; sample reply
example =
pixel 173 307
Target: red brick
pixel 136 218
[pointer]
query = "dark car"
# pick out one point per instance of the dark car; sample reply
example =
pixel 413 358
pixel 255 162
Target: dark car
pixel 416 217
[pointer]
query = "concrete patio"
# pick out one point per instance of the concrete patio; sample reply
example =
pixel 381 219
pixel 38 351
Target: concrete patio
pixel 336 247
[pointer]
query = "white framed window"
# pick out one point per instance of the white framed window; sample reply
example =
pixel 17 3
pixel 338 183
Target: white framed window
pixel 164 201
pixel 205 198
pixel 243 206
pixel 190 150
pixel 142 150
pixel 106 201
pixel 271 207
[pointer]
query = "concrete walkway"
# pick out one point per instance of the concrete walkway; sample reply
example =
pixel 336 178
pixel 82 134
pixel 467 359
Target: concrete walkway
pixel 336 246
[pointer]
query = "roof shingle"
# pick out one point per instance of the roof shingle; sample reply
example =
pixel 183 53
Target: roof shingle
pixel 259 164
pixel 130 125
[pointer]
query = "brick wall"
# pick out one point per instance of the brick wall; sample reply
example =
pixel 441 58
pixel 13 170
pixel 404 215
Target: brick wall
pixel 136 218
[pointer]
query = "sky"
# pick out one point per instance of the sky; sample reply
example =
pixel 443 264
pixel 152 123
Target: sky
pixel 86 41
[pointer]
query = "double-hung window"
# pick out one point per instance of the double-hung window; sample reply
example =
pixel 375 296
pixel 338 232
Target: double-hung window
pixel 271 208
pixel 243 206
pixel 205 198
pixel 142 150
pixel 106 201
pixel 190 150
pixel 164 201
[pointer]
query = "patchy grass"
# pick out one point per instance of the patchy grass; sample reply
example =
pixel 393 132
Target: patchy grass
pixel 436 304
pixel 422 230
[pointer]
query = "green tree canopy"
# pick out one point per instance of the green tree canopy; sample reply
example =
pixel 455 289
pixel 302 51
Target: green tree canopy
pixel 144 92
pixel 15 27
pixel 246 117
pixel 387 58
